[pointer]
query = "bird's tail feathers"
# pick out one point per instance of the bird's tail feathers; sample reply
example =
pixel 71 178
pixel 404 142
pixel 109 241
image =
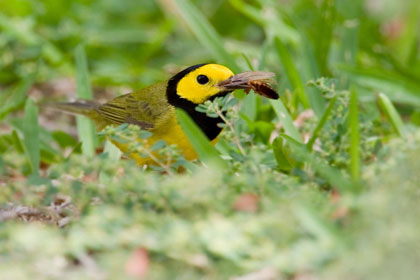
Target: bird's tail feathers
pixel 80 107
pixel 86 108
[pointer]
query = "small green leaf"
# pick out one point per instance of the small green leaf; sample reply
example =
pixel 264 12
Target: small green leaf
pixel 121 127
pixel 201 108
pixel 119 139
pixel 232 102
pixel 16 98
pixel 63 139
pixel 48 157
pixel 158 145
pixel 145 134
pixel 282 155
pixel 17 142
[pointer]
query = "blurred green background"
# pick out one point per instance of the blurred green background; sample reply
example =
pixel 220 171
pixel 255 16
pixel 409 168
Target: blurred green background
pixel 327 187
pixel 132 43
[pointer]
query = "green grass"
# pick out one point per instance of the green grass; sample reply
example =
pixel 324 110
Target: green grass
pixel 291 71
pixel 85 127
pixel 316 184
pixel 206 152
pixel 31 135
pixel 392 114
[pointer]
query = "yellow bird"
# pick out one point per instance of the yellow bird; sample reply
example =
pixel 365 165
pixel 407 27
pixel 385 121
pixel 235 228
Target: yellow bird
pixel 153 108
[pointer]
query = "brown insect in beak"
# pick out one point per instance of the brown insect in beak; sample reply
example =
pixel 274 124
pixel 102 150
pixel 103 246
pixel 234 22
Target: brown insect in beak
pixel 258 81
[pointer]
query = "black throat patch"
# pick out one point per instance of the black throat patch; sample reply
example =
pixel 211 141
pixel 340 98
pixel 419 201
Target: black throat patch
pixel 207 124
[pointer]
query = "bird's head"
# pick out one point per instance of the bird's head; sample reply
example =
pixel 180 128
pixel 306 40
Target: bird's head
pixel 198 83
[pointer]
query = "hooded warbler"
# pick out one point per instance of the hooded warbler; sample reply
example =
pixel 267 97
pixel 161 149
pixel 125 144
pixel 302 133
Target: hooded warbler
pixel 153 108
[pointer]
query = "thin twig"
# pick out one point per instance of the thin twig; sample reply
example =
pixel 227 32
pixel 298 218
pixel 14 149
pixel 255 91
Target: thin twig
pixel 155 159
pixel 230 125
pixel 151 156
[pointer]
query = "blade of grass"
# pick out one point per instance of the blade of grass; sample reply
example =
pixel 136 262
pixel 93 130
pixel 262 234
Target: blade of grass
pixel 205 33
pixel 353 122
pixel 321 123
pixel 2 166
pixel 17 97
pixel 206 152
pixel 249 11
pixel 291 71
pixel 249 106
pixel 310 71
pixel 349 43
pixel 248 62
pixel 16 142
pixel 285 119
pixel 85 127
pixel 264 53
pixel 31 135
pixel 410 35
pixel 392 114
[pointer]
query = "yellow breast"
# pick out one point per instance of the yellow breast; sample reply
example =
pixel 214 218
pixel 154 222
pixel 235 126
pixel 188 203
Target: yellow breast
pixel 171 132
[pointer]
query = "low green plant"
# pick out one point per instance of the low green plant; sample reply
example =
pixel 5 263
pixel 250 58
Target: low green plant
pixel 321 183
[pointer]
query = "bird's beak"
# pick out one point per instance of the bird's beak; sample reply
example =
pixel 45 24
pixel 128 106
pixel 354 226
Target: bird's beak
pixel 242 80
pixel 255 80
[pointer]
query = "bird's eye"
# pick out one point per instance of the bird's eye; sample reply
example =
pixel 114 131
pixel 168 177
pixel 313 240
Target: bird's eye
pixel 202 79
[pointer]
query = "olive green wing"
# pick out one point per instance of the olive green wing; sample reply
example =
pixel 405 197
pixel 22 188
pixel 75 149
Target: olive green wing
pixel 145 108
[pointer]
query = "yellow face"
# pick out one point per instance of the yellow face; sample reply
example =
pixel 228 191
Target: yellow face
pixel 201 84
